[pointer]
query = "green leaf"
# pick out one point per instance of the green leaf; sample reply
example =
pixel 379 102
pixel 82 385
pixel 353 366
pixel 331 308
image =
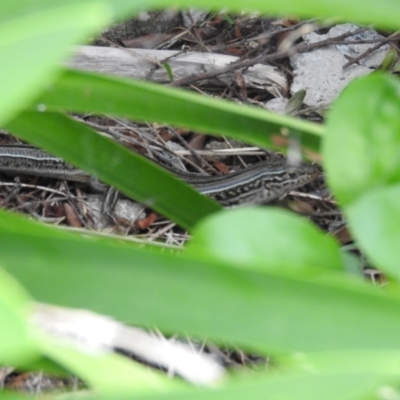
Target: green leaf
pixel 169 71
pixel 90 92
pixel 16 344
pixel 180 293
pixel 134 175
pixel 21 8
pixel 364 361
pixel 32 44
pixel 329 386
pixel 383 16
pixel 261 238
pixel 374 222
pixel 362 144
pixel 36 36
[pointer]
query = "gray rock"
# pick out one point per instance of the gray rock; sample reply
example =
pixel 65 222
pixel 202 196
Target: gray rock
pixel 320 72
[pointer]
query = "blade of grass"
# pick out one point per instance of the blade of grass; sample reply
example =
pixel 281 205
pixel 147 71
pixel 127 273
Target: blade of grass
pixel 330 386
pixel 39 40
pixel 384 16
pixel 179 293
pixel 90 92
pixel 137 177
pixel 16 345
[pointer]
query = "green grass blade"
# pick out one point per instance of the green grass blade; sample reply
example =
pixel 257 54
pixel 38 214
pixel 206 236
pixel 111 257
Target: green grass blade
pixel 178 293
pixel 329 386
pixel 384 16
pixel 89 92
pixel 135 176
pixel 31 44
pixel 16 344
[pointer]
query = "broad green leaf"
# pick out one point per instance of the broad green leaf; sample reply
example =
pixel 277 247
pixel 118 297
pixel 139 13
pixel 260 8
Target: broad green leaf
pixel 179 293
pixel 134 175
pixel 90 92
pixel 16 344
pixel 374 221
pixel 362 143
pixel 263 239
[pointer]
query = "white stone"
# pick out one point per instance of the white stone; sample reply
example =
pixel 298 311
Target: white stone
pixel 320 72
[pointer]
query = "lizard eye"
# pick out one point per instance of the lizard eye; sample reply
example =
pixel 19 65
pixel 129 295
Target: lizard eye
pixel 292 175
